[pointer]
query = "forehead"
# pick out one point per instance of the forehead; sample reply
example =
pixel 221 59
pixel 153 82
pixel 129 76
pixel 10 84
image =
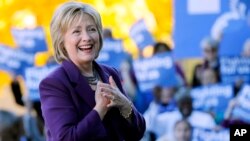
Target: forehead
pixel 82 18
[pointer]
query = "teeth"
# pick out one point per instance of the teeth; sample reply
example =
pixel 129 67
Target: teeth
pixel 86 47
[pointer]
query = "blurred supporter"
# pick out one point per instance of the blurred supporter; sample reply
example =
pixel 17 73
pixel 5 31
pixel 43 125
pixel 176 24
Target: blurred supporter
pixel 126 71
pixel 166 121
pixel 107 33
pixel 182 132
pixel 209 77
pixel 229 118
pixel 14 128
pixel 128 80
pixel 10 127
pixel 161 47
pixel 246 48
pixel 33 125
pixel 33 128
pixel 17 92
pixel 163 102
pixel 211 60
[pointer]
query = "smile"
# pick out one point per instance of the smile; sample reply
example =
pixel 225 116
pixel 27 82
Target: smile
pixel 85 47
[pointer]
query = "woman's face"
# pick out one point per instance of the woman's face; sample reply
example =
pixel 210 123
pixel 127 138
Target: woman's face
pixel 182 132
pixel 208 77
pixel 82 41
pixel 210 53
pixel 167 95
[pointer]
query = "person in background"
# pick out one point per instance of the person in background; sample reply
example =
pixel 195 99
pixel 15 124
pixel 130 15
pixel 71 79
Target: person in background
pixel 10 126
pixel 246 48
pixel 125 69
pixel 161 47
pixel 165 122
pixel 182 132
pixel 17 92
pixel 81 99
pixel 163 102
pixel 211 60
pixel 230 118
pixel 33 128
pixel 209 77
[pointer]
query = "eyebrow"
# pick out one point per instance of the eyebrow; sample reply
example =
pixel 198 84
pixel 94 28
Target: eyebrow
pixel 79 26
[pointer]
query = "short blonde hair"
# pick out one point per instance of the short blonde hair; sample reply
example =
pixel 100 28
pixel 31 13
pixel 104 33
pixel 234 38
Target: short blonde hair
pixel 67 14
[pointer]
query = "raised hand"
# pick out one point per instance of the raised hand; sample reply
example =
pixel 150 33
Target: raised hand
pixel 101 101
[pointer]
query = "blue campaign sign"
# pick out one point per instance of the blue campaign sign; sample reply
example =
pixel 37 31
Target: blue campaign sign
pixel 234 68
pixel 33 77
pixel 232 45
pixel 140 34
pixel 200 134
pixel 112 53
pixel 30 40
pixel 15 60
pixel 242 109
pixel 157 70
pixel 196 19
pixel 213 98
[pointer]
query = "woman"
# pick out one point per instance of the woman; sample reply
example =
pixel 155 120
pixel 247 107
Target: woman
pixel 211 60
pixel 83 100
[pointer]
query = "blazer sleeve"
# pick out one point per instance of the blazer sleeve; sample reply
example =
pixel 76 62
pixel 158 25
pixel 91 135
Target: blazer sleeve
pixel 133 131
pixel 61 117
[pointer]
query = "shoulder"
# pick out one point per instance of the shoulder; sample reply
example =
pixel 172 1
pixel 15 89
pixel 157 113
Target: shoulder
pixel 203 115
pixel 55 77
pixel 57 73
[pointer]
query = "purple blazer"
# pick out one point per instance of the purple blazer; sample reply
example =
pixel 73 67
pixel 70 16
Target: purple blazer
pixel 67 106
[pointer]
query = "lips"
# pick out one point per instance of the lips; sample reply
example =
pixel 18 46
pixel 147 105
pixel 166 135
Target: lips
pixel 85 47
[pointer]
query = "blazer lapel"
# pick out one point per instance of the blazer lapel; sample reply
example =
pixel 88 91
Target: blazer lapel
pixel 102 72
pixel 82 88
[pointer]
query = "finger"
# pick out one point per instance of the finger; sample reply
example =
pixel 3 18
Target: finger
pixel 111 104
pixel 104 85
pixel 112 82
pixel 109 96
pixel 107 90
pixel 98 88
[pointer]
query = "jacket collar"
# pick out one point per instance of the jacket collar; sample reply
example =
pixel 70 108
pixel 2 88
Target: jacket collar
pixel 81 85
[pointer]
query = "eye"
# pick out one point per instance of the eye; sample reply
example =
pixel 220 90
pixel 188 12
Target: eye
pixel 76 31
pixel 93 29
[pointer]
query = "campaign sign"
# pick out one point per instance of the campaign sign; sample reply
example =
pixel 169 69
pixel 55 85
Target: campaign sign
pixel 112 53
pixel 234 68
pixel 242 109
pixel 196 19
pixel 214 98
pixel 33 77
pixel 30 40
pixel 157 70
pixel 140 34
pixel 200 134
pixel 14 60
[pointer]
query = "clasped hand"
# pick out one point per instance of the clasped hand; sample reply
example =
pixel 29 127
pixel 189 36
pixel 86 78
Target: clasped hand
pixel 109 95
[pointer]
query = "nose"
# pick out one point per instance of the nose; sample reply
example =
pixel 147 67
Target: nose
pixel 85 36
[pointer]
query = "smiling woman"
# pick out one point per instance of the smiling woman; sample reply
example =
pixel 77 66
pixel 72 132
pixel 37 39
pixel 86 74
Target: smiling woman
pixel 84 100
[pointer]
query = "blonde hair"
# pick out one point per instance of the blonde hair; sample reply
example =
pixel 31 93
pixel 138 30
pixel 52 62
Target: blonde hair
pixel 67 14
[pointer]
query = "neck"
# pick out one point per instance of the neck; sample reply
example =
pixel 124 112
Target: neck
pixel 87 69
